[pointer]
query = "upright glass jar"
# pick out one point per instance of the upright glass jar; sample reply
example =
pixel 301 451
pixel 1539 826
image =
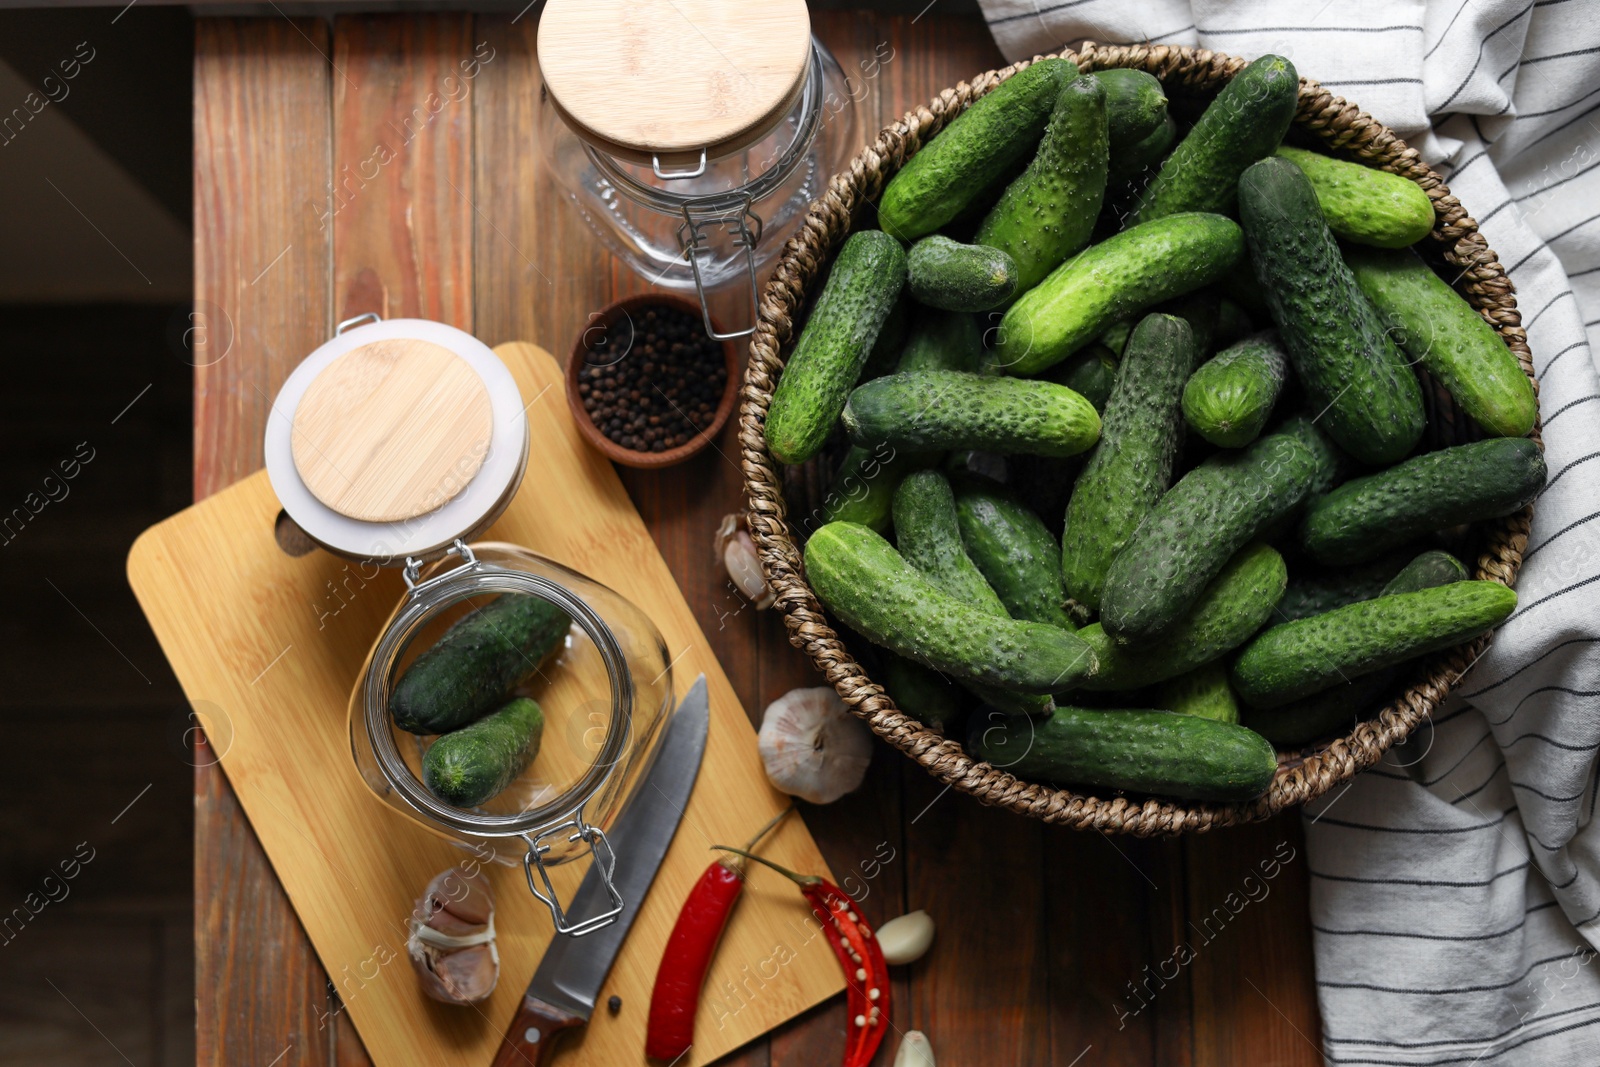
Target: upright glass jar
pixel 692 136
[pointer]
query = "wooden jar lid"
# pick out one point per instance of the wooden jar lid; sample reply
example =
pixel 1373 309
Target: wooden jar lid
pixel 391 430
pixel 667 78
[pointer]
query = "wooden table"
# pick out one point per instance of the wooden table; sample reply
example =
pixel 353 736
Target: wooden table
pixel 1054 947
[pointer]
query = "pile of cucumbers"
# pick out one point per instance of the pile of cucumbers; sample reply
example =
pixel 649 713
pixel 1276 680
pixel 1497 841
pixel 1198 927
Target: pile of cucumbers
pixel 1137 485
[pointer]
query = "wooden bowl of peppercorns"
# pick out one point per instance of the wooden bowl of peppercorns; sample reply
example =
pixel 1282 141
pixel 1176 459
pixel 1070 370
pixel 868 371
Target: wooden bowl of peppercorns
pixel 646 385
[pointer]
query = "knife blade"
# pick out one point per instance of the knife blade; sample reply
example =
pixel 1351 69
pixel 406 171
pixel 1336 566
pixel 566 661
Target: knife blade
pixel 567 982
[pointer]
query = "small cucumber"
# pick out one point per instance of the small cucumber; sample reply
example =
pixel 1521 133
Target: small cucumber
pixel 1204 691
pixel 926 694
pixel 942 410
pixel 1433 567
pixel 1300 658
pixel 1342 357
pixel 469 670
pixel 1314 590
pixel 952 276
pixel 1092 374
pixel 1333 466
pixel 1227 401
pixel 873 590
pixel 1015 551
pixel 862 490
pixel 1049 212
pixel 1364 204
pixel 1185 757
pixel 1439 329
pixel 1136 105
pixel 943 340
pixel 1243 124
pixel 1211 513
pixel 1232 608
pixel 1115 279
pixel 1000 129
pixel 1367 516
pixel 1132 465
pixel 466 767
pixel 1131 160
pixel 861 290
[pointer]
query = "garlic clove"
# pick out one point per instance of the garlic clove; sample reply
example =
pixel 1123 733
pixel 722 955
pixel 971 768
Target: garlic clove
pixel 906 938
pixel 914 1050
pixel 812 747
pixel 737 551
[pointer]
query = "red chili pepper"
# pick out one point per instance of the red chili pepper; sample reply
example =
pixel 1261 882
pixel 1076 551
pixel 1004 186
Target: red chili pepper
pixel 687 957
pixel 866 974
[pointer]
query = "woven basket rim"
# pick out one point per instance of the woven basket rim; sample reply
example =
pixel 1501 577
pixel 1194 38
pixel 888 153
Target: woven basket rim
pixel 1302 776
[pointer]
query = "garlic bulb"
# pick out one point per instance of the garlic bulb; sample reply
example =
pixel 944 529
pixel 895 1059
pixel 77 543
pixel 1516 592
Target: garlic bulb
pixel 906 938
pixel 737 552
pixel 812 747
pixel 914 1050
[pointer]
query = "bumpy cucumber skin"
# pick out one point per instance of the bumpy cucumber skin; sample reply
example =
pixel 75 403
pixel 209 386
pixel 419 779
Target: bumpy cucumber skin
pixel 1049 212
pixel 1300 658
pixel 1092 374
pixel 1204 691
pixel 1367 516
pixel 1136 105
pixel 1233 607
pixel 862 489
pixel 1350 369
pixel 1314 590
pixel 866 583
pixel 1015 551
pixel 957 166
pixel 1131 160
pixel 1112 280
pixel 934 701
pixel 949 275
pixel 1243 124
pixel 1132 465
pixel 1441 331
pixel 1227 401
pixel 473 665
pixel 941 410
pixel 1333 466
pixel 1185 757
pixel 1211 513
pixel 943 340
pixel 468 766
pixel 860 292
pixel 927 535
pixel 1364 204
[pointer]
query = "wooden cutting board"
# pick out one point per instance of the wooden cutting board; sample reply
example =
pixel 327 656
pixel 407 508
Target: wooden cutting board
pixel 267 647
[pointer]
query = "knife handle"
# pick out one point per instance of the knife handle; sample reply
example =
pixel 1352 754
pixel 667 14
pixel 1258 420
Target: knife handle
pixel 530 1040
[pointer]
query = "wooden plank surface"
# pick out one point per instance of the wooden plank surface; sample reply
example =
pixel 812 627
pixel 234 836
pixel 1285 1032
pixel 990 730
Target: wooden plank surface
pixel 1067 942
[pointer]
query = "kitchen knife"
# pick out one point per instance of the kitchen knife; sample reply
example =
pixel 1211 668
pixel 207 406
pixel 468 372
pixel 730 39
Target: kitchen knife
pixel 564 989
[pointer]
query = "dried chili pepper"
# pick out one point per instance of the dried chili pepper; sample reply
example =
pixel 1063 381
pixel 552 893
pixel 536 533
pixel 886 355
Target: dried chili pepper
pixel 687 957
pixel 866 974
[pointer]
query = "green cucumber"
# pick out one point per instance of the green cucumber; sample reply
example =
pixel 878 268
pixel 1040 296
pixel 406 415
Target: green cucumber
pixel 1185 757
pixel 1115 279
pixel 1243 124
pixel 947 274
pixel 943 340
pixel 1439 329
pixel 892 339
pixel 1364 204
pixel 862 489
pixel 1211 513
pixel 1227 401
pixel 982 143
pixel 1116 336
pixel 942 410
pixel 469 670
pixel 1048 214
pixel 1348 366
pixel 1092 374
pixel 1204 691
pixel 861 290
pixel 922 693
pixel 1314 590
pixel 466 767
pixel 1015 551
pixel 1130 161
pixel 1136 105
pixel 873 590
pixel 1431 568
pixel 1232 608
pixel 1297 659
pixel 1465 483
pixel 1132 465
pixel 1333 466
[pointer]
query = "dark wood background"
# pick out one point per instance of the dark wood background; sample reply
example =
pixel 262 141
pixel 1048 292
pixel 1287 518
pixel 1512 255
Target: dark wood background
pixel 1043 933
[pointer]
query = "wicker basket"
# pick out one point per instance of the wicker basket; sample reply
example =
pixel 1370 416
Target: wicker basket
pixel 1342 127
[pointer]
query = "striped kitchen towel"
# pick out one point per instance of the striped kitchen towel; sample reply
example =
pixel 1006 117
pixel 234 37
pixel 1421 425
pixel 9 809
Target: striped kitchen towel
pixel 1455 893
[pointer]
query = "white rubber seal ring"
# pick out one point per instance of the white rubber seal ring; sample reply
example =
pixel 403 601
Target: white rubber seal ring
pixel 392 542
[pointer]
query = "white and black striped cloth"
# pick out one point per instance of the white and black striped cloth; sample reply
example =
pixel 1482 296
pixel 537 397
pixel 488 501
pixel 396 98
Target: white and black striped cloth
pixel 1455 891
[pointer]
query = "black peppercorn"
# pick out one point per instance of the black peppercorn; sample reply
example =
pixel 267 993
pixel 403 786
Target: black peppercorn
pixel 652 381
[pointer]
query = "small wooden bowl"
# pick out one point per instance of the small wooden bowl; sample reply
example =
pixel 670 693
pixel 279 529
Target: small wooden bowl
pixel 629 457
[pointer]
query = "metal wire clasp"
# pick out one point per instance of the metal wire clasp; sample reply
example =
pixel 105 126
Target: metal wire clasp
pixel 745 236
pixel 413 568
pixel 605 861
